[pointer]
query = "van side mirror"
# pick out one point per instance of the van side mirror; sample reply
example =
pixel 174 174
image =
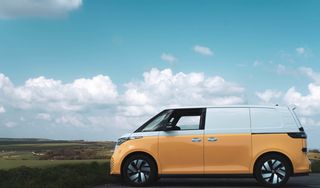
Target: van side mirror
pixel 170 127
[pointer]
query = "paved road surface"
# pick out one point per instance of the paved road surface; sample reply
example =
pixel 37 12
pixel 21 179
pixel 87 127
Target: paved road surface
pixel 313 181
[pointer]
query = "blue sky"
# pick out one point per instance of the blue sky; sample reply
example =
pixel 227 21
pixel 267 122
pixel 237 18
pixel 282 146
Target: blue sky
pixel 106 37
pixel 265 51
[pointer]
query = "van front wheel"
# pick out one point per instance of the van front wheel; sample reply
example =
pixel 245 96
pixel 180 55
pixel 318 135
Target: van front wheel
pixel 272 170
pixel 139 170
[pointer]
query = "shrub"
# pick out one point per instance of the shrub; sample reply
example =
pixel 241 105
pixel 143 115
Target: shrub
pixel 63 176
pixel 315 166
pixel 314 151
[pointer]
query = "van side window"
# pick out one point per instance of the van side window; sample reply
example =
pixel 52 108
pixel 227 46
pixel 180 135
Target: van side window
pixel 288 120
pixel 186 119
pixel 227 120
pixel 265 119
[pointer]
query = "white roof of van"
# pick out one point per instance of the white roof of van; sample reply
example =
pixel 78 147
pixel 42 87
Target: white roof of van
pixel 229 106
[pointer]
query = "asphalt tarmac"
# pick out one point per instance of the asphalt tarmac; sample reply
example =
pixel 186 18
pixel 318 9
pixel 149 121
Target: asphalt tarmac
pixel 313 180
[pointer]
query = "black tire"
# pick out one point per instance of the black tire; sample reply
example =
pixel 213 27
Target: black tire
pixel 272 170
pixel 139 170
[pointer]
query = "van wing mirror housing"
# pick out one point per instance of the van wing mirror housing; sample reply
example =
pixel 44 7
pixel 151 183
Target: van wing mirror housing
pixel 170 127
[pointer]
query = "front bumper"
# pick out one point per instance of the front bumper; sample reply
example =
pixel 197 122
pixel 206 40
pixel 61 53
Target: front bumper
pixel 115 163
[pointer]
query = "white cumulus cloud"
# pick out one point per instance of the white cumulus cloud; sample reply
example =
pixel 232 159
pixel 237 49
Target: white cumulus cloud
pixel 300 50
pixel 304 52
pixel 2 109
pixel 202 50
pixel 94 108
pixel 36 8
pixel 168 58
pixel 163 88
pixel 281 69
pixel 257 63
pixel 70 120
pixel 43 116
pixel 53 95
pixel 10 124
pixel 269 94
pixel 311 74
pixel 308 104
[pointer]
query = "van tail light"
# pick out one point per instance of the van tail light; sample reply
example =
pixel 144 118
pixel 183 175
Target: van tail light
pixel 301 134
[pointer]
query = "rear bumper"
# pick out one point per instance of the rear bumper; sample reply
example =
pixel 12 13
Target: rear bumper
pixel 301 165
pixel 304 171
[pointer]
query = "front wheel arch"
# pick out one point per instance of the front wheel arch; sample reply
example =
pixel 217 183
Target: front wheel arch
pixel 139 153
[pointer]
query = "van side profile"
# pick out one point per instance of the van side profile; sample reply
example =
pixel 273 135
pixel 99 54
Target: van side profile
pixel 264 142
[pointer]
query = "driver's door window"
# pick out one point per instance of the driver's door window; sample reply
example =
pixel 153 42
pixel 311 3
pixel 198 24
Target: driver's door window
pixel 186 119
pixel 189 122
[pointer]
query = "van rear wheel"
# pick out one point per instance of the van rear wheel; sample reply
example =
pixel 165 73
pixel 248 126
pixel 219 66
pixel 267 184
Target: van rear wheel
pixel 139 170
pixel 272 170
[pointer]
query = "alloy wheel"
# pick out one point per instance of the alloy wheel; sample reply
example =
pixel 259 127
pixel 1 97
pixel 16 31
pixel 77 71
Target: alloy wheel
pixel 138 171
pixel 273 171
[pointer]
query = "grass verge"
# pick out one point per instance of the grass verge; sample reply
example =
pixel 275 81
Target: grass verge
pixel 76 175
pixel 61 176
pixel 9 164
pixel 315 166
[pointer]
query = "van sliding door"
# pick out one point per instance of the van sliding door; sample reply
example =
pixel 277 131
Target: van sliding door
pixel 227 141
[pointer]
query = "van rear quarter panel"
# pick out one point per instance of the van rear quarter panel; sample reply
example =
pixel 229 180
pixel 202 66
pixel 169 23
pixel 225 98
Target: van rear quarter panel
pixel 283 143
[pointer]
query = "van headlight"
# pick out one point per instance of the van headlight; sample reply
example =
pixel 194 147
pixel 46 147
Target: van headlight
pixel 124 139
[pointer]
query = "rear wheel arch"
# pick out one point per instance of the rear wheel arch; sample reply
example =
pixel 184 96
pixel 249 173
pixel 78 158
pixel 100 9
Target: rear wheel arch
pixel 275 153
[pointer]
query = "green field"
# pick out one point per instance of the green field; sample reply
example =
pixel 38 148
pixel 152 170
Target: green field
pixel 47 153
pixel 48 163
pixel 54 150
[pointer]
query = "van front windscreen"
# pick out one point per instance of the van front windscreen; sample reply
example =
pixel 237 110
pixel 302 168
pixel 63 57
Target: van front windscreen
pixel 154 123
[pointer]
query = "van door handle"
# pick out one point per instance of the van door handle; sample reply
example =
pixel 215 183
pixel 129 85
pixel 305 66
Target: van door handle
pixel 196 140
pixel 212 139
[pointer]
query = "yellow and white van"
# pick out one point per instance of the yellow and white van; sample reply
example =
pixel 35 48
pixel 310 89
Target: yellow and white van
pixel 265 142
